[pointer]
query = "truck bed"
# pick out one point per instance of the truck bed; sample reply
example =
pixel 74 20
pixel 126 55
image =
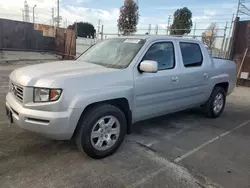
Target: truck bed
pixel 225 63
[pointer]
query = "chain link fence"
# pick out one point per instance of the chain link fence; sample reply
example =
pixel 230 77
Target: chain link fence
pixel 219 49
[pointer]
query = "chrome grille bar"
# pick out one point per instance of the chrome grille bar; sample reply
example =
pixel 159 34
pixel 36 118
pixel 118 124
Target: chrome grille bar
pixel 17 91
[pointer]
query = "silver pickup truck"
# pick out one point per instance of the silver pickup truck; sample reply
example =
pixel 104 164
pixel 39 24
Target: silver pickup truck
pixel 96 98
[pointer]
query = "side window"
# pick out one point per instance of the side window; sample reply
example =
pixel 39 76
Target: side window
pixel 191 54
pixel 163 54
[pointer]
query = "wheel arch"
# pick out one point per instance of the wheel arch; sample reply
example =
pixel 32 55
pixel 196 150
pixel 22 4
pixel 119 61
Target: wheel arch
pixel 121 103
pixel 224 85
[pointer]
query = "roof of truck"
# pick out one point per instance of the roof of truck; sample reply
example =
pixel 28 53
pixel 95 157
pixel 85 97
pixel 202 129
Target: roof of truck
pixel 157 37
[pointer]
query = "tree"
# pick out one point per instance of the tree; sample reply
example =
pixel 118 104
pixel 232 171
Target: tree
pixel 209 36
pixel 72 27
pixel 129 17
pixel 84 29
pixel 182 23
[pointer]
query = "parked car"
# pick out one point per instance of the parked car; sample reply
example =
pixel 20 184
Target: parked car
pixel 96 98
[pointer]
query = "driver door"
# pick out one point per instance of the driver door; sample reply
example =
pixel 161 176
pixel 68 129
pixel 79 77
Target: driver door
pixel 156 93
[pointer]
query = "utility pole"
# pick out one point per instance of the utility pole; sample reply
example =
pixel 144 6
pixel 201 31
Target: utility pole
pixel 230 32
pixel 169 19
pixel 194 30
pixel 53 16
pixel 149 29
pixel 98 28
pixel 23 15
pixel 230 36
pixel 156 30
pixel 53 20
pixel 76 28
pixel 224 36
pixel 58 11
pixel 231 26
pixel 34 14
pixel 102 33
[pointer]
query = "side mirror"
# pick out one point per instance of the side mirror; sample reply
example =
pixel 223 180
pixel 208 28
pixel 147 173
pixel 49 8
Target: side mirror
pixel 149 66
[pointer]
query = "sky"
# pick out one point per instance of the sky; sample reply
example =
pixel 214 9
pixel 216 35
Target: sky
pixel 151 12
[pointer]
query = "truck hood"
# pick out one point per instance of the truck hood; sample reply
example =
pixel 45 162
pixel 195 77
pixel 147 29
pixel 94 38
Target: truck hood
pixel 43 75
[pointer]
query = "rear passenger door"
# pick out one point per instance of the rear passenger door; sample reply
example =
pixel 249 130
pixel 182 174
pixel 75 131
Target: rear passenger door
pixel 194 76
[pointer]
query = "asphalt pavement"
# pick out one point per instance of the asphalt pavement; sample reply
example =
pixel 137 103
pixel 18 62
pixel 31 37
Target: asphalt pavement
pixel 179 150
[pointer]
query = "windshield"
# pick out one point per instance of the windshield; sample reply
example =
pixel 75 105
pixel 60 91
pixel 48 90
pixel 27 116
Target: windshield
pixel 113 53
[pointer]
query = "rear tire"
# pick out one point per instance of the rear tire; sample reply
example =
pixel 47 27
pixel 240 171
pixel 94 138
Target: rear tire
pixel 216 103
pixel 101 131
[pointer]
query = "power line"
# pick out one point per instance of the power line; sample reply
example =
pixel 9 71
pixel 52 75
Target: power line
pixel 46 21
pixel 42 12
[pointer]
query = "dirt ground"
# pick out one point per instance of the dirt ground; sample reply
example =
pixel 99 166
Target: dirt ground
pixel 178 150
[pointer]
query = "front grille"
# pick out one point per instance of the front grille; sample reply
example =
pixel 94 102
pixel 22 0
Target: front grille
pixel 17 91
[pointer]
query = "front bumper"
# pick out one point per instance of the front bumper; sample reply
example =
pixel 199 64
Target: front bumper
pixel 54 125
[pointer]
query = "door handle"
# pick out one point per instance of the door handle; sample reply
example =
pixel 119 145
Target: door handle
pixel 174 79
pixel 206 75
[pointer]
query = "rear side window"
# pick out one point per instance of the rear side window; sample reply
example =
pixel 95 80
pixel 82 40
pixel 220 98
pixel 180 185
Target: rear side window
pixel 191 54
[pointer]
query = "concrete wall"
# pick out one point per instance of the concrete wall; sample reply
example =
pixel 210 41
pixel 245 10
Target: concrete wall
pixel 16 35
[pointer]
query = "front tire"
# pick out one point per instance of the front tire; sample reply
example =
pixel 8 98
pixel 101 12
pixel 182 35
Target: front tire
pixel 101 131
pixel 216 103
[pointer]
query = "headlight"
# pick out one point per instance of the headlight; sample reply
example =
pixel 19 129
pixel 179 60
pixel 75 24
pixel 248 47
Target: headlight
pixel 46 95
